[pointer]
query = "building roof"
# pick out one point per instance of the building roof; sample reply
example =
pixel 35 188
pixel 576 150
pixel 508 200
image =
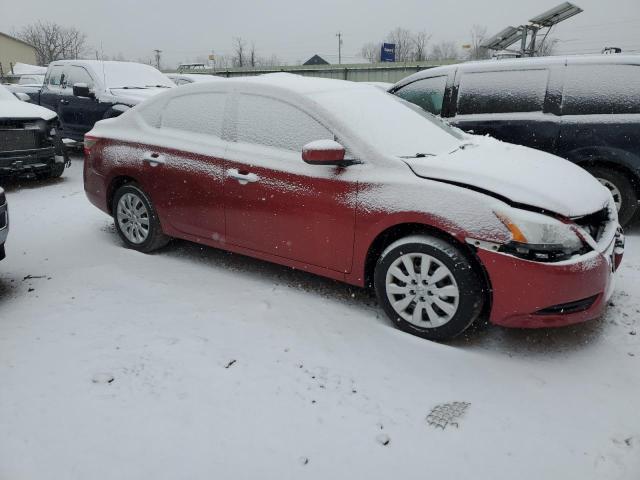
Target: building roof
pixel 316 60
pixel 16 39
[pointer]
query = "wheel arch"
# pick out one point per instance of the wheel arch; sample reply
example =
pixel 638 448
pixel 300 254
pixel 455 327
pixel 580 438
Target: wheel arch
pixel 621 161
pixel 114 185
pixel 398 231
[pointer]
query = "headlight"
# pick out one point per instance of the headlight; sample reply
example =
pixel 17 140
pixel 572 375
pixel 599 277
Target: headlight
pixel 540 237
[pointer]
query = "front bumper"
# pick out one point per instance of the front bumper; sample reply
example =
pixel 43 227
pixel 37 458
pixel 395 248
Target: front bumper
pixel 529 294
pixel 23 162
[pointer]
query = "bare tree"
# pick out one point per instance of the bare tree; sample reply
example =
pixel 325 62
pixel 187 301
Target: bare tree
pixel 420 41
pixel 402 39
pixel 371 51
pixel 53 41
pixel 444 51
pixel 239 46
pixel 478 35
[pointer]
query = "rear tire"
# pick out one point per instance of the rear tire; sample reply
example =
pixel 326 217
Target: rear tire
pixel 428 287
pixel 623 191
pixel 136 220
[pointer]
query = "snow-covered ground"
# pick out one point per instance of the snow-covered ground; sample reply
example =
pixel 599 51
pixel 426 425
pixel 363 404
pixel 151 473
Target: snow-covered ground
pixel 196 364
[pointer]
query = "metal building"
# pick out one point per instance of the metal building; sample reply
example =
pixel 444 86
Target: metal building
pixel 12 51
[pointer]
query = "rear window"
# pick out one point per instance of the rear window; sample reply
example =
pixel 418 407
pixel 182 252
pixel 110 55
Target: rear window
pixel 197 113
pixel 427 93
pixel 502 92
pixel 597 89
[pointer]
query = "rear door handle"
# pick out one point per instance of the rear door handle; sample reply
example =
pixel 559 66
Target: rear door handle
pixel 154 159
pixel 242 178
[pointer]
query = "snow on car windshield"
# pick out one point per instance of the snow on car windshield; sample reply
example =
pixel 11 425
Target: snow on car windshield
pixel 389 124
pixel 132 75
pixel 6 94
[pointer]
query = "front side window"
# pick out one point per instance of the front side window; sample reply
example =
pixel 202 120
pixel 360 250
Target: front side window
pixel 55 76
pixel 601 89
pixel 507 91
pixel 273 123
pixel 78 75
pixel 196 113
pixel 427 93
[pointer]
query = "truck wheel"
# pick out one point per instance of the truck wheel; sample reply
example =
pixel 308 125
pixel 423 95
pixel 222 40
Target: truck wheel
pixel 428 287
pixel 620 186
pixel 57 170
pixel 136 220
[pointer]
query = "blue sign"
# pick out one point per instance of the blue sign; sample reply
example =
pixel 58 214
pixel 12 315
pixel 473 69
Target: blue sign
pixel 388 52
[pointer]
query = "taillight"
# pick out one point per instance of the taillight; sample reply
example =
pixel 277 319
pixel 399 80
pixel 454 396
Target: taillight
pixel 89 142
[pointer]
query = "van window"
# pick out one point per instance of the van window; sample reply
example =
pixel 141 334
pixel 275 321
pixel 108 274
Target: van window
pixel 502 92
pixel 427 93
pixel 596 89
pixel 273 123
pixel 196 113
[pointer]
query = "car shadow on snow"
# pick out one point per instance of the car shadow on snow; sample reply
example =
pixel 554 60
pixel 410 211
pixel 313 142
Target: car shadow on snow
pixel 15 184
pixel 270 272
pixel 481 336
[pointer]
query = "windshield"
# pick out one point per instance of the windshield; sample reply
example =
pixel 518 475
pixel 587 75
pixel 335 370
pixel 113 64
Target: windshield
pixel 132 75
pixel 390 124
pixel 6 94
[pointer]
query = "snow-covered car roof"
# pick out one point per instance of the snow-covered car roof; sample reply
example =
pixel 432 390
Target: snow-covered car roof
pixel 121 74
pixel 506 64
pixel 195 77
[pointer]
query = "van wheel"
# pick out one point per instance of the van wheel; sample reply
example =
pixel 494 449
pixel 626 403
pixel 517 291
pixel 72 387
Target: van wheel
pixel 428 287
pixel 57 170
pixel 136 220
pixel 624 194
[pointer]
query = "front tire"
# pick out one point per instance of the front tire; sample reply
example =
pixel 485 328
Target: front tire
pixel 136 220
pixel 428 287
pixel 623 192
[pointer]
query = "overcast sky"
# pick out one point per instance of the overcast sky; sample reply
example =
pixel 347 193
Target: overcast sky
pixel 296 29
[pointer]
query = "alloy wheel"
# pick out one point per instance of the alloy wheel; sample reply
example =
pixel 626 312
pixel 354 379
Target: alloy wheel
pixel 133 218
pixel 422 290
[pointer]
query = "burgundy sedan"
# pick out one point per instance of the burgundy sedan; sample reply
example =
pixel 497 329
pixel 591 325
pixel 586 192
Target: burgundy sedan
pixel 346 181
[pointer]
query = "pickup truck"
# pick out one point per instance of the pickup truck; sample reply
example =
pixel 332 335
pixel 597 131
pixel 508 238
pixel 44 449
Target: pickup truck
pixel 83 92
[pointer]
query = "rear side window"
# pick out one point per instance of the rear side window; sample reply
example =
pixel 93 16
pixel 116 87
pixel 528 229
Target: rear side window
pixel 595 89
pixel 427 93
pixel 270 122
pixel 502 92
pixel 195 113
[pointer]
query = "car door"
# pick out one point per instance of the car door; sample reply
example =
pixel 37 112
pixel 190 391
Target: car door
pixel 183 162
pixel 277 204
pixel 51 92
pixel 506 104
pixel 80 113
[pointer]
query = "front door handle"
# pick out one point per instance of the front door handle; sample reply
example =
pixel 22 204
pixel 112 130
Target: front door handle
pixel 154 159
pixel 242 177
pixel 64 102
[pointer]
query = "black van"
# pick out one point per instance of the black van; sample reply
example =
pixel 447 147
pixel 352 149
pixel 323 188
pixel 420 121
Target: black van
pixel 583 108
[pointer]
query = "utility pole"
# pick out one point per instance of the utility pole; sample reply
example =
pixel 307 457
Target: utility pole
pixel 158 52
pixel 339 35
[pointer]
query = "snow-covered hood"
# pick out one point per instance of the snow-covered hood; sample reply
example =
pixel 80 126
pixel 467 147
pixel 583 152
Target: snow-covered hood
pixel 520 174
pixel 19 109
pixel 133 96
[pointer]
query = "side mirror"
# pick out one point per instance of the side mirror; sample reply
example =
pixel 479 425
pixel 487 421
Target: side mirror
pixel 82 90
pixel 323 152
pixel 23 96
